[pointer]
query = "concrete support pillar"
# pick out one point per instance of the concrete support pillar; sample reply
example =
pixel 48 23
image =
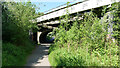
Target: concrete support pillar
pixel 38 37
pixel 108 17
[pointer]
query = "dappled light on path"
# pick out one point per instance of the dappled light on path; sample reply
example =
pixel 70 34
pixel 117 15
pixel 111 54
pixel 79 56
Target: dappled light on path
pixel 39 56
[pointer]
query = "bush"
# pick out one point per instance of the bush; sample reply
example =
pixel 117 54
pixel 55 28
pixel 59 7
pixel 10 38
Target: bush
pixel 64 58
pixel 80 57
pixel 88 42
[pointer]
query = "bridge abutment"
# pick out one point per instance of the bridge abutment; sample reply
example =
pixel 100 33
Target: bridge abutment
pixel 38 36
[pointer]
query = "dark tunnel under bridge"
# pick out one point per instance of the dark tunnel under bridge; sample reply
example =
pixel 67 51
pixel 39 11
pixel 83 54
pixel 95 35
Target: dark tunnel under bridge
pixel 42 36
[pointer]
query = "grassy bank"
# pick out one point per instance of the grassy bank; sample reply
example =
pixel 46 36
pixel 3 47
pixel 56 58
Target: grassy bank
pixel 13 55
pixel 79 57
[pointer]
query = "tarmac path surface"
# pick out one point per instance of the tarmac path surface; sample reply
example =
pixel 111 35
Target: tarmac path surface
pixel 39 56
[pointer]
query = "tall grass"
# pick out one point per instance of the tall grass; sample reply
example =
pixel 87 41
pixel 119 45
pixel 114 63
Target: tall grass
pixel 13 55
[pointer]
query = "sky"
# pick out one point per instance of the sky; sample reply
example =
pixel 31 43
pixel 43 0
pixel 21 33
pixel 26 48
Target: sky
pixel 46 5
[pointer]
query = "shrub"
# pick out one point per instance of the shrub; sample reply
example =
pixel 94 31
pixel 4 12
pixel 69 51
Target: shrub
pixel 88 42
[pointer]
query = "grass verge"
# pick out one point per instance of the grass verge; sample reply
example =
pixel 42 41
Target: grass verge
pixel 13 55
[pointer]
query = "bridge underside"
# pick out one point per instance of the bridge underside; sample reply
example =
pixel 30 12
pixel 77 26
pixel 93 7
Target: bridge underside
pixel 42 35
pixel 48 25
pixel 49 21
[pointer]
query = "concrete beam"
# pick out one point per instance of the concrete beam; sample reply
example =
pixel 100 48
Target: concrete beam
pixel 39 24
pixel 46 26
pixel 52 22
pixel 57 22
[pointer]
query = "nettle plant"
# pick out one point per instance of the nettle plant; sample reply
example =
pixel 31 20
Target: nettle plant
pixel 99 37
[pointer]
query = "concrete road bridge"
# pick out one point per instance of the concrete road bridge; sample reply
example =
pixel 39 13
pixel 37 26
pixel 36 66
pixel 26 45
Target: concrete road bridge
pixel 50 20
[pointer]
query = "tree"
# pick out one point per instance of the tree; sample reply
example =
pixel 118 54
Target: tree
pixel 16 22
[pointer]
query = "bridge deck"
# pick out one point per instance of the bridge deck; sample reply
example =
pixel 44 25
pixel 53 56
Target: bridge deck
pixel 78 7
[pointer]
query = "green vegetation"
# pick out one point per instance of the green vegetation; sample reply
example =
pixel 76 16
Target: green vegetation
pixel 15 55
pixel 17 20
pixel 88 42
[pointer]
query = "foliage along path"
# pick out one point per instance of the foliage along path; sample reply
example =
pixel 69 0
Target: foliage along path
pixel 39 56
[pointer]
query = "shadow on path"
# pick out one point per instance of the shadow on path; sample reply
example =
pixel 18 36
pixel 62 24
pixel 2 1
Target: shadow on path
pixel 39 56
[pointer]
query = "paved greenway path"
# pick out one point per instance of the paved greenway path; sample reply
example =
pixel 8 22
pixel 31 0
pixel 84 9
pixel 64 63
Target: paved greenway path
pixel 39 56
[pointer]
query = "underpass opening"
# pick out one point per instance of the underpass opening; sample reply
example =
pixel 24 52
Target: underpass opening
pixel 44 37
